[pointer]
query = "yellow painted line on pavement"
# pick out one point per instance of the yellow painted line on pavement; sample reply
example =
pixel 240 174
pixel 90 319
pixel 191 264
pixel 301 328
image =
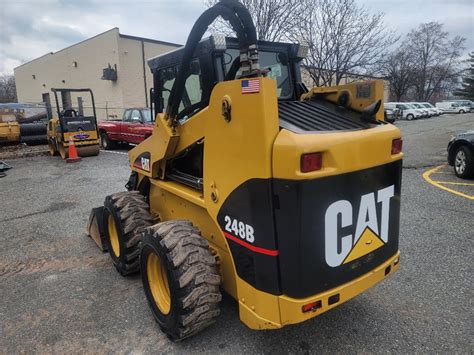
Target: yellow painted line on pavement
pixel 426 176
pixel 454 183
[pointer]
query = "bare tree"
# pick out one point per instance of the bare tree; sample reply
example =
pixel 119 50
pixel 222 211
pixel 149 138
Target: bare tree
pixel 7 89
pixel 343 38
pixel 398 70
pixel 436 58
pixel 274 19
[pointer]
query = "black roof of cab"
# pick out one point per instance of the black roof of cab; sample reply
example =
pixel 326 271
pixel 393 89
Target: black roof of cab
pixel 214 44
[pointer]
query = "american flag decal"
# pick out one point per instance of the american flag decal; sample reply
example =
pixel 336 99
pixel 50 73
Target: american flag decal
pixel 250 86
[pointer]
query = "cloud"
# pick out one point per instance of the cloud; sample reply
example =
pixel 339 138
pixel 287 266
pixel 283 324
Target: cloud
pixel 32 28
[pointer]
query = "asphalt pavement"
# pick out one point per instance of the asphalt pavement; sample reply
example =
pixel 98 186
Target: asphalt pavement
pixel 60 294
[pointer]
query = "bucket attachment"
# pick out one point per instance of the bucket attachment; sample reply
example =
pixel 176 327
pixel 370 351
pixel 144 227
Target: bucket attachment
pixel 95 228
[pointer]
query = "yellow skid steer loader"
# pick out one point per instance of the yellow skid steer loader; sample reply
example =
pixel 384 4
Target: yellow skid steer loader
pixel 286 198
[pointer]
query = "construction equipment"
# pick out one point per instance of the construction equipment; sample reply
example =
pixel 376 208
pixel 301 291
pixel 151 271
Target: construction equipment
pixel 9 127
pixel 73 123
pixel 286 198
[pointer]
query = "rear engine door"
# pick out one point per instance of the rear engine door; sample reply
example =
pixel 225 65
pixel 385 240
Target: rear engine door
pixel 337 223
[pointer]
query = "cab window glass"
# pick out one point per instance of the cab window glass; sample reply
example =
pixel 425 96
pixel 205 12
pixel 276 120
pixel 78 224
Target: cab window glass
pixel 126 115
pixel 192 94
pixel 135 116
pixel 276 63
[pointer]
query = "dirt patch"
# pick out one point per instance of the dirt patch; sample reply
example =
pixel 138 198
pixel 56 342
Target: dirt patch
pixel 22 151
pixel 31 266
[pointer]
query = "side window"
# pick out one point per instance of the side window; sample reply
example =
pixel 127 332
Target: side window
pixel 167 78
pixel 192 94
pixel 126 115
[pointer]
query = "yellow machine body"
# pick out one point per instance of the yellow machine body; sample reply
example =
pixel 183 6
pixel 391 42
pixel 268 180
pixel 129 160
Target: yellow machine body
pixel 59 143
pixel 9 127
pixel 253 147
pixel 9 132
pixel 70 125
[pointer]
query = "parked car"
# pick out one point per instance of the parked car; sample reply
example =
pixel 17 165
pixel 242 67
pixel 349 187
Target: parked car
pixel 392 114
pixel 135 126
pixel 452 107
pixel 464 103
pixel 461 154
pixel 424 111
pixel 407 112
pixel 438 111
pixel 429 112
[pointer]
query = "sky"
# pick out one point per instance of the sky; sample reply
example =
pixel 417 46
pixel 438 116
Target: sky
pixel 32 28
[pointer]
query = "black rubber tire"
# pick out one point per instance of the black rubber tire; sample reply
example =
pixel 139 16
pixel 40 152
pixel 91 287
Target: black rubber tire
pixel 192 274
pixel 410 117
pixel 131 215
pixel 32 129
pixel 52 148
pixel 34 140
pixel 105 142
pixel 468 172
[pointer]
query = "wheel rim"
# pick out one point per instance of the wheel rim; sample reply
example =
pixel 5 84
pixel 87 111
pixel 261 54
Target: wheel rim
pixel 460 163
pixel 103 141
pixel 113 236
pixel 158 281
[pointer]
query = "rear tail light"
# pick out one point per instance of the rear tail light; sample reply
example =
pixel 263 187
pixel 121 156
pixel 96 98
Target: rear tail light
pixel 311 307
pixel 311 162
pixel 397 145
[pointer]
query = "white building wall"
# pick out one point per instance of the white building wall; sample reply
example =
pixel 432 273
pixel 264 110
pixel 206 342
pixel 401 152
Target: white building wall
pixel 56 70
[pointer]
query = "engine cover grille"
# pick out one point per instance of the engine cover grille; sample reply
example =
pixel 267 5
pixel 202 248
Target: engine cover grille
pixel 308 116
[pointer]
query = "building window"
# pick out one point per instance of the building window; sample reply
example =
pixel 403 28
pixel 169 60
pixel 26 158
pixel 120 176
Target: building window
pixel 34 76
pixel 74 64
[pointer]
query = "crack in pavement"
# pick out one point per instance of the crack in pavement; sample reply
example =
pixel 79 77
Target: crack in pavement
pixel 53 207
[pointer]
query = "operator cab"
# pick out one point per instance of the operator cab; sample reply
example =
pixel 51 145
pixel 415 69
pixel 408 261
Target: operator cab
pixel 216 59
pixel 72 117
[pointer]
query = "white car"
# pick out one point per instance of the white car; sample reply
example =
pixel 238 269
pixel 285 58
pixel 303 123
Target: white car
pixel 424 110
pixel 431 111
pixel 435 109
pixel 452 107
pixel 464 103
pixel 408 113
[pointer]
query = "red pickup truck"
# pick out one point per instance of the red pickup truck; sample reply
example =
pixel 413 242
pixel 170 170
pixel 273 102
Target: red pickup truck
pixel 135 126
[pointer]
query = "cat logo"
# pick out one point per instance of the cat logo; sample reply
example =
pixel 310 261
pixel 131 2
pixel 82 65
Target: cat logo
pixel 369 235
pixel 145 164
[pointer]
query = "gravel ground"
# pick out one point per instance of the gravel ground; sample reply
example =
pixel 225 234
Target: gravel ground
pixel 22 151
pixel 60 294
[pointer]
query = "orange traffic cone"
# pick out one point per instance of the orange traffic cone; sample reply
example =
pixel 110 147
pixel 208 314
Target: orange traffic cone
pixel 73 157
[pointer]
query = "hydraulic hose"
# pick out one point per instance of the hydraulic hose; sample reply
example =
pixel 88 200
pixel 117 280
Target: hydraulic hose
pixel 240 20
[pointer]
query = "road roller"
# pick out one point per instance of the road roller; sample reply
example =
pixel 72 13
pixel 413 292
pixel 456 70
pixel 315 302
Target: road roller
pixel 73 124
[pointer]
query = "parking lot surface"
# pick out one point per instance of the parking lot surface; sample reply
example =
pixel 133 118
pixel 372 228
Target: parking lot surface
pixel 60 294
